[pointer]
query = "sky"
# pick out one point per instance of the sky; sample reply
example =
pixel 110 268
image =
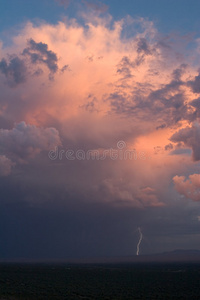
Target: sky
pixel 99 128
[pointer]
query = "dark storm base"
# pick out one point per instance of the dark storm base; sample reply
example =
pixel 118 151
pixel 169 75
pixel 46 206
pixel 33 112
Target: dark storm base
pixel 100 281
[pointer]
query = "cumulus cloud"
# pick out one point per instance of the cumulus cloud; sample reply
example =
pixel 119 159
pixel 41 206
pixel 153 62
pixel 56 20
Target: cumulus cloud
pixel 132 77
pixel 190 137
pixel 115 85
pixel 15 70
pixel 190 188
pixel 26 140
pixel 5 165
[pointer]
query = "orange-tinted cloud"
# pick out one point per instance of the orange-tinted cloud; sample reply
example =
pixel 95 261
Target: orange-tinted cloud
pixel 105 86
pixel 190 188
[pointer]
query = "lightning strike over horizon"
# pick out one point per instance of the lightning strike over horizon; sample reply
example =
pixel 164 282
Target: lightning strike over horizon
pixel 139 242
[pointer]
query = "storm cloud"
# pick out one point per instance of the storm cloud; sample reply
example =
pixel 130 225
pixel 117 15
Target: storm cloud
pixel 124 88
pixel 28 140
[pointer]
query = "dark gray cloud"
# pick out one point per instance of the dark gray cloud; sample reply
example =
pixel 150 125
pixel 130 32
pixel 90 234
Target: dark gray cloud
pixel 125 66
pixel 190 136
pixel 161 126
pixel 177 73
pixel 38 72
pixel 169 147
pixel 91 104
pixel 26 141
pixel 39 53
pixel 66 209
pixel 181 151
pixel 53 232
pixel 39 221
pixel 196 104
pixel 15 70
pixel 166 105
pixel 162 105
pixel 143 46
pixel 195 84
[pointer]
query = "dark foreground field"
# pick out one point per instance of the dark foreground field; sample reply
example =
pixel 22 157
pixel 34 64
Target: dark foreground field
pixel 133 281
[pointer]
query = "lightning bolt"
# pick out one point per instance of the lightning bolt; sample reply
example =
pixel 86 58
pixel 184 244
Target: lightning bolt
pixel 139 242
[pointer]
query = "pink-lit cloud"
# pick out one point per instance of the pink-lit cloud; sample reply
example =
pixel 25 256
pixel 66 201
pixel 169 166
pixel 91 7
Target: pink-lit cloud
pixel 190 188
pixel 105 86
pixel 28 140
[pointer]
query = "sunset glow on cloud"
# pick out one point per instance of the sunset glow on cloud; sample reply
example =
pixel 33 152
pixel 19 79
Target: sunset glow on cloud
pixel 84 84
